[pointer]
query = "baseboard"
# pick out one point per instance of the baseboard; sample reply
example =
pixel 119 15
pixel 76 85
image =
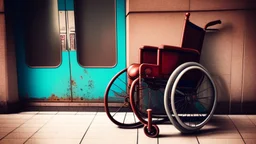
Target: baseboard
pixel 221 109
pixel 10 107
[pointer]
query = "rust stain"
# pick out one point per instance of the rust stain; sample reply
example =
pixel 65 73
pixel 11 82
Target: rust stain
pixel 73 83
pixel 78 98
pixel 90 84
pixel 87 99
pixel 53 97
pixel 85 71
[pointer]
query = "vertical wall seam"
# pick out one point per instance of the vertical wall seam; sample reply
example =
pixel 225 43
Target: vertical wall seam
pixel 6 59
pixel 189 5
pixel 243 63
pixel 230 76
pixel 6 55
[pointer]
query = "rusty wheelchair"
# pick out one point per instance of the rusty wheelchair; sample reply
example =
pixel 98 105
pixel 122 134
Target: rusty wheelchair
pixel 168 84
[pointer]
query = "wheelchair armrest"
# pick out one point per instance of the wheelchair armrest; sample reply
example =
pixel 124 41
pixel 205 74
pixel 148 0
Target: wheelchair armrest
pixel 180 49
pixel 149 70
pixel 149 47
pixel 148 54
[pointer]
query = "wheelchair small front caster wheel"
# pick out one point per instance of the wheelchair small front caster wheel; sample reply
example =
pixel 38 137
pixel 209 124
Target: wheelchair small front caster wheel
pixel 154 132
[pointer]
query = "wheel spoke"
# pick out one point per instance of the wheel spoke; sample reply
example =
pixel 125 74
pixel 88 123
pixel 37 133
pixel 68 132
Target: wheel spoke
pixel 179 100
pixel 205 97
pixel 117 94
pixel 121 80
pixel 180 92
pixel 203 90
pixel 202 105
pixel 124 117
pixel 119 109
pixel 120 88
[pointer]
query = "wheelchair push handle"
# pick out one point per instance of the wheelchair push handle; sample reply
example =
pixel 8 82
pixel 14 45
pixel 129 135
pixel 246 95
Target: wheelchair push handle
pixel 212 23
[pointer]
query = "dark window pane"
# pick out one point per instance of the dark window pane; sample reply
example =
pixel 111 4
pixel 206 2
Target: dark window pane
pixel 42 42
pixel 95 32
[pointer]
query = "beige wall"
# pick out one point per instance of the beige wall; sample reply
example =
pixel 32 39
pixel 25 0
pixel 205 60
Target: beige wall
pixel 229 54
pixel 8 73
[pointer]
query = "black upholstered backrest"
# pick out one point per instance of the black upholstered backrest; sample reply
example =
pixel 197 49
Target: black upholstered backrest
pixel 193 35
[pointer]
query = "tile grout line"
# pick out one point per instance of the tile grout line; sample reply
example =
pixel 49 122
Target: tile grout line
pixel 251 120
pixel 197 140
pixel 237 129
pixel 157 141
pixel 17 127
pixel 88 128
pixel 40 128
pixel 137 140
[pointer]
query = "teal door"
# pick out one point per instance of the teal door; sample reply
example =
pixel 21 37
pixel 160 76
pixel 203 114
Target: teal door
pixel 98 51
pixel 67 50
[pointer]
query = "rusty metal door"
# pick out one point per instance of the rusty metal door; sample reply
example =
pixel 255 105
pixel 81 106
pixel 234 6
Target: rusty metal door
pixel 97 46
pixel 73 53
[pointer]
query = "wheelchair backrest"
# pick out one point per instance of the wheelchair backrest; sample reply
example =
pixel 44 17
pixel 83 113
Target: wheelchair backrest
pixel 193 35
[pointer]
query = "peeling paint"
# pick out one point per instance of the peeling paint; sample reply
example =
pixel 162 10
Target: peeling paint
pixel 73 83
pixel 90 84
pixel 87 99
pixel 78 98
pixel 53 97
pixel 85 71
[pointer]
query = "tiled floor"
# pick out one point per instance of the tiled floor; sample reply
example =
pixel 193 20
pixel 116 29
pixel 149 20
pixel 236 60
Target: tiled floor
pixel 96 128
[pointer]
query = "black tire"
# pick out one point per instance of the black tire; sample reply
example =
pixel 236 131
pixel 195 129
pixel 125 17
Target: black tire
pixel 116 101
pixel 153 133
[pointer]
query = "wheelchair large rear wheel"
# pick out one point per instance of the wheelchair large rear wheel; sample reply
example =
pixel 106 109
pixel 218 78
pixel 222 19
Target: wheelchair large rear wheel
pixel 117 102
pixel 190 97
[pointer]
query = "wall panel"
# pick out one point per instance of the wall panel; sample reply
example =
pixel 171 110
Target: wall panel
pixel 157 5
pixel 1 5
pixel 249 65
pixel 222 53
pixel 221 4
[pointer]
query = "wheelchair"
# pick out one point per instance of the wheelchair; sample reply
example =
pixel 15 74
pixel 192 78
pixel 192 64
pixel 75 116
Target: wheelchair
pixel 168 84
